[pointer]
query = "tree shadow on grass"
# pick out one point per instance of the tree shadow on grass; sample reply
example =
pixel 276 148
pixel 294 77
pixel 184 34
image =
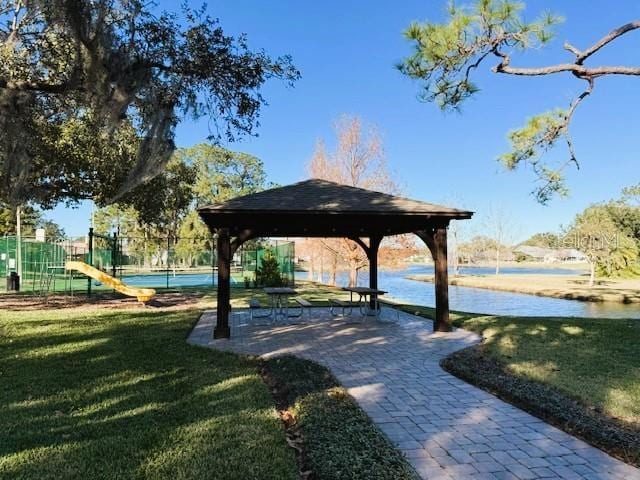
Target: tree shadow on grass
pixel 121 395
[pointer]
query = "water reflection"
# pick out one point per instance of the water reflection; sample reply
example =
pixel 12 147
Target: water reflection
pixel 488 301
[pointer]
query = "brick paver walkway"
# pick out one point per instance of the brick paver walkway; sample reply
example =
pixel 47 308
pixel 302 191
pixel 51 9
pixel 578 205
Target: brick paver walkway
pixel 447 428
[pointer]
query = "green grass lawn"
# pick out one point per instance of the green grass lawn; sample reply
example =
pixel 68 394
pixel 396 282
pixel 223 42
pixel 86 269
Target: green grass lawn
pixel 119 394
pixel 596 361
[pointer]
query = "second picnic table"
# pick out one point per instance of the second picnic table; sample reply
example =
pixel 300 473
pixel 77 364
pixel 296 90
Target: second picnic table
pixel 363 303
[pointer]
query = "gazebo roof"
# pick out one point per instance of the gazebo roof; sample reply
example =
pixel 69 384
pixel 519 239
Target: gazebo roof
pixel 321 208
pixel 322 196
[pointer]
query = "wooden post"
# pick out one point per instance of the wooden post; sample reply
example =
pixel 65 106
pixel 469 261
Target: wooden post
pixel 436 240
pixel 372 254
pixel 441 279
pixel 223 308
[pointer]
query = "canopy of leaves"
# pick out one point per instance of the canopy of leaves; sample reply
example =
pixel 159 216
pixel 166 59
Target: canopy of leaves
pixel 268 273
pixel 358 160
pixel 194 239
pixel 165 207
pixel 110 79
pixel 528 145
pixel 31 219
pixel 631 195
pixel 73 160
pixel 595 233
pixel 545 240
pixel 480 247
pixel 221 174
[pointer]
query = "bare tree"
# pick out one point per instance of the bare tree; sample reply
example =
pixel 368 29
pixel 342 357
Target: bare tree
pixel 358 160
pixel 500 228
pixel 457 231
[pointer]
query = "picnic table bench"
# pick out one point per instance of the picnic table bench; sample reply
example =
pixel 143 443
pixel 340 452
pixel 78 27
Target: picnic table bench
pixel 279 305
pixel 335 303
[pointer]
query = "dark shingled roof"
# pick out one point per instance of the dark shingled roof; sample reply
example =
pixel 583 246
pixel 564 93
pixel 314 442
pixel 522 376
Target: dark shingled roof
pixel 322 196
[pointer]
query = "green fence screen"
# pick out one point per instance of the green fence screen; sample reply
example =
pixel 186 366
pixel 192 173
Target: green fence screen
pixel 149 262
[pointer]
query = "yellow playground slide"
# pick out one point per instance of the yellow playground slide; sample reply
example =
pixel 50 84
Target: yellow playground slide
pixel 142 294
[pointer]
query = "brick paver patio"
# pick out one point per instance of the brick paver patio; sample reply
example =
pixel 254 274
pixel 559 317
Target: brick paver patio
pixel 447 428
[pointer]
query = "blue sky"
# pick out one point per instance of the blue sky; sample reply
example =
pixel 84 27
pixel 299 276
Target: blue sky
pixel 346 52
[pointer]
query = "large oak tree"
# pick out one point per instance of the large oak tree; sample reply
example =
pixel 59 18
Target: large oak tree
pixel 91 92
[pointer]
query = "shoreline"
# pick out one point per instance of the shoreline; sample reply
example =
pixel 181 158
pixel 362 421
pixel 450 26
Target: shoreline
pixel 566 287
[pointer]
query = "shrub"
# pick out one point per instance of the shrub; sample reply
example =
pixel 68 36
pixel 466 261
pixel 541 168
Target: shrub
pixel 268 274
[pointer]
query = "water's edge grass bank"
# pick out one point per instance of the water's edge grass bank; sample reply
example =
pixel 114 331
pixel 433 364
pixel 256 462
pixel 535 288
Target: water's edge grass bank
pixel 567 287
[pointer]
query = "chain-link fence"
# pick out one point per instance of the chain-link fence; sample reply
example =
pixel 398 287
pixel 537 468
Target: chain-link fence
pixel 41 265
pixel 191 261
pixel 138 261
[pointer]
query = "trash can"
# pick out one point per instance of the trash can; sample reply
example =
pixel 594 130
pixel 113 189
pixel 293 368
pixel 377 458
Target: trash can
pixel 13 282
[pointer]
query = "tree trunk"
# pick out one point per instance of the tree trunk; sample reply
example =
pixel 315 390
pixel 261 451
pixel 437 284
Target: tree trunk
pixel 321 270
pixel 592 273
pixel 497 260
pixel 334 271
pixel 311 270
pixel 353 273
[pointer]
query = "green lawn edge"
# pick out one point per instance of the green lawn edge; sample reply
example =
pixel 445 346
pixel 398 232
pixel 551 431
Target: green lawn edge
pixel 474 366
pixel 580 374
pixel 337 438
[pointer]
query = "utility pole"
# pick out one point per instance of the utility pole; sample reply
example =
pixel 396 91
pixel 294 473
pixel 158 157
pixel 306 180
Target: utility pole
pixel 19 241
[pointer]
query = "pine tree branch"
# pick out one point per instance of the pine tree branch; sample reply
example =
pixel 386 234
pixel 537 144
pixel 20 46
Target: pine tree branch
pixel 570 112
pixel 582 56
pixel 577 68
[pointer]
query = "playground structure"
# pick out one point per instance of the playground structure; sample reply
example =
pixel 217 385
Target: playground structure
pixel 142 294
pixel 132 263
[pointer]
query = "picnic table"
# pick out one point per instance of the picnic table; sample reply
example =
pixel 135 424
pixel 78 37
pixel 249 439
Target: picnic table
pixel 366 297
pixel 279 300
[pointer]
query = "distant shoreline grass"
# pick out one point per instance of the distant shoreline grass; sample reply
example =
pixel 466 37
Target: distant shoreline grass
pixel 568 287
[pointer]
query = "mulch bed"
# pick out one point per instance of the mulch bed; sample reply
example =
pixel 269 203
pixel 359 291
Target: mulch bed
pixel 170 300
pixel 615 437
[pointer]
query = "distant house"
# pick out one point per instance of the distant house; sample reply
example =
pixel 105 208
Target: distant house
pixel 551 255
pixel 537 254
pixel 572 255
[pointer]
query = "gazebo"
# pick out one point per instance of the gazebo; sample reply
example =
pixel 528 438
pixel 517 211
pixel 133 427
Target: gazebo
pixel 319 208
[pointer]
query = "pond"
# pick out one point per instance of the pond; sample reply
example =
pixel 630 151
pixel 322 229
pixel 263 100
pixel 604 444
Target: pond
pixel 490 301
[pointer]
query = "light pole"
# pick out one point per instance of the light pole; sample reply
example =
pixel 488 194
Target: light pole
pixel 19 241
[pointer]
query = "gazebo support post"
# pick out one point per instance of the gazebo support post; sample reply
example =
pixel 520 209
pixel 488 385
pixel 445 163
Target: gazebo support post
pixel 223 308
pixel 226 250
pixel 372 255
pixel 436 239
